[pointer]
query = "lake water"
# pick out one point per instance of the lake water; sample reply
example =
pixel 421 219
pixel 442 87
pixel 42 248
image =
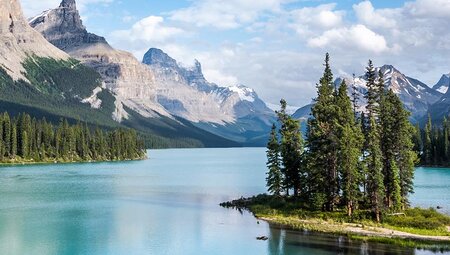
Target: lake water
pixel 165 205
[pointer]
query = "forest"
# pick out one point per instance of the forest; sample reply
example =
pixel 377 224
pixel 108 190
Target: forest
pixel 433 144
pixel 24 139
pixel 349 159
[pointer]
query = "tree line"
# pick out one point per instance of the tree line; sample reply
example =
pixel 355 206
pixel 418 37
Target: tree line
pixel 26 139
pixel 348 159
pixel 433 143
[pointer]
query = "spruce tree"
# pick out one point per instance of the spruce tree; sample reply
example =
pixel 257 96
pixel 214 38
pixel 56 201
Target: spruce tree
pixel 406 157
pixel 291 150
pixel 323 142
pixel 427 145
pixel 375 185
pixel 274 176
pixel 350 145
pixel 372 90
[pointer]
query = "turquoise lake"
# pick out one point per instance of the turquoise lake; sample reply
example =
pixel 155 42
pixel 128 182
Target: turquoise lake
pixel 165 205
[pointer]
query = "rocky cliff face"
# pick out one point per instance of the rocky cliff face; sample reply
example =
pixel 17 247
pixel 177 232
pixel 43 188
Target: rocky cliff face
pixel 186 93
pixel 443 84
pixel 158 87
pixel 233 112
pixel 132 82
pixel 19 41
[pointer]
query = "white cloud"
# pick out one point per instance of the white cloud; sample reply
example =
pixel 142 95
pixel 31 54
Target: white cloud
pixel 366 13
pixel 278 49
pixel 148 30
pixel 34 7
pixel 310 20
pixel 356 36
pixel 225 14
pixel 429 8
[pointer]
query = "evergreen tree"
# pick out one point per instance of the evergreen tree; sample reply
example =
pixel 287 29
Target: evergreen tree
pixel 323 142
pixel 274 176
pixel 355 97
pixel 427 145
pixel 24 138
pixel 291 149
pixel 375 185
pixel 372 95
pixel 350 141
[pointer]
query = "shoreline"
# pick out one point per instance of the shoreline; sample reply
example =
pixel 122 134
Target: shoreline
pixel 360 229
pixel 64 162
pixel 353 230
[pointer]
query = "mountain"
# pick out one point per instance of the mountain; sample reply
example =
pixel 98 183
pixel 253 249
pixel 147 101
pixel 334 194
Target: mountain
pixel 441 108
pixel 131 81
pixel 443 84
pixel 159 88
pixel 234 112
pixel 38 78
pixel 19 41
pixel 303 113
pixel 415 95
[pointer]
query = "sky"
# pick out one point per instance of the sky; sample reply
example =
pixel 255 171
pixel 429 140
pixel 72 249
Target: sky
pixel 277 47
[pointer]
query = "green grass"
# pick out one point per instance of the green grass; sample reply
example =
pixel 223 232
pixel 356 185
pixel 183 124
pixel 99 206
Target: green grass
pixel 294 214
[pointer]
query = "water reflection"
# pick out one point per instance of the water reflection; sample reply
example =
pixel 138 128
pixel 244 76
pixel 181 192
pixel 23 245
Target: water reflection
pixel 159 206
pixel 288 242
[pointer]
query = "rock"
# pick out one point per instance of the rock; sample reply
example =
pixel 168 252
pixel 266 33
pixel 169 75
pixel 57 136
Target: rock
pixel 18 40
pixel 185 92
pixel 159 85
pixel 132 82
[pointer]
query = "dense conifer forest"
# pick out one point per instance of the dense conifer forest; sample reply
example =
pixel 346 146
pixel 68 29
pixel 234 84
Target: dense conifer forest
pixel 360 161
pixel 26 139
pixel 433 143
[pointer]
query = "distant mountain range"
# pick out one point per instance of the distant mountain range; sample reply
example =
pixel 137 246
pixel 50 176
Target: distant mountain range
pixel 417 97
pixel 59 69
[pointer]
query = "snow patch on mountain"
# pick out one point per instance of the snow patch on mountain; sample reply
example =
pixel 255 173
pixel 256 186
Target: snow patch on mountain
pixel 443 84
pixel 245 94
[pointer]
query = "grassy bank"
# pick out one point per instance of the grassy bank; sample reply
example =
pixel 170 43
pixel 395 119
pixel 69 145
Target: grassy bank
pixel 419 228
pixel 20 162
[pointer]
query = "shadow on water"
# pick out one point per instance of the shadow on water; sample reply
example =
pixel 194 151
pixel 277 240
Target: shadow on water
pixel 289 242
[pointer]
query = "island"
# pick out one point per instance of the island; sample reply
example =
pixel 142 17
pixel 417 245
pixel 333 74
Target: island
pixel 26 140
pixel 352 172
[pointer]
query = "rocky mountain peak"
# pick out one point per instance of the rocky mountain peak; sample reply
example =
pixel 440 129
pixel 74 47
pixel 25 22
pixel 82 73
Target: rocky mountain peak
pixel 11 17
pixel 64 28
pixel 69 4
pixel 156 56
pixel 19 41
pixel 443 84
pixel 415 95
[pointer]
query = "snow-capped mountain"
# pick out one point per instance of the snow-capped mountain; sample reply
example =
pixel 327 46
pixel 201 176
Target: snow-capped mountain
pixel 443 84
pixel 38 78
pixel 415 95
pixel 235 112
pixel 158 87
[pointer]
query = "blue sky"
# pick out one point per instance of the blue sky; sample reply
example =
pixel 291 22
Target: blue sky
pixel 277 46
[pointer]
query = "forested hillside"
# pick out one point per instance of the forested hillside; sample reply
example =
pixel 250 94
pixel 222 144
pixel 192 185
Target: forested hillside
pixel 55 88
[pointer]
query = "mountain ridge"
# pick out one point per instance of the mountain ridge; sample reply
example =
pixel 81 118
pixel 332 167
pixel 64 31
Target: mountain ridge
pixel 46 82
pixel 415 95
